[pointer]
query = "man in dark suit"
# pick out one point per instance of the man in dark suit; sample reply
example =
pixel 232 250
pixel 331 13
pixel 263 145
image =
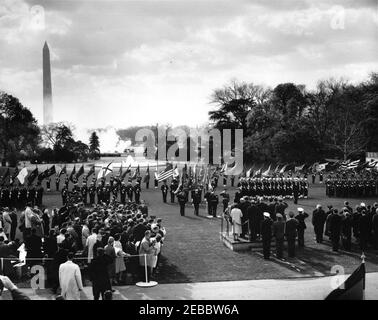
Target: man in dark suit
pixel 137 191
pixel 335 221
pixel 279 234
pixel 301 217
pixel 318 220
pixel 164 190
pixel 196 200
pixel 139 230
pixel 99 274
pixel 291 233
pixel 375 229
pixel 266 234
pixel 182 199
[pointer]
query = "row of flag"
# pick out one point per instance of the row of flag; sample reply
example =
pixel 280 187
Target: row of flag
pixel 316 167
pixel 200 173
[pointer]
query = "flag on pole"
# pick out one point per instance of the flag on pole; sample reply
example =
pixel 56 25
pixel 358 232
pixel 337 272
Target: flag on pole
pixel 51 171
pixel 257 173
pixel 14 176
pixel 120 170
pixel 80 172
pixel 277 169
pixel 128 170
pixel 6 175
pixel 72 175
pixel 176 172
pixel 105 170
pixel 33 175
pixel 223 168
pixel 63 170
pixel 91 171
pixel 299 168
pixel 136 173
pixel 22 175
pixel 166 173
pixel 353 288
pixel 283 168
pixel 266 172
pixel 248 173
pixel 321 167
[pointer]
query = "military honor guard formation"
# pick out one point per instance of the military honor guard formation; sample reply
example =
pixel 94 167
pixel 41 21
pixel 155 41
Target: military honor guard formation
pixel 105 226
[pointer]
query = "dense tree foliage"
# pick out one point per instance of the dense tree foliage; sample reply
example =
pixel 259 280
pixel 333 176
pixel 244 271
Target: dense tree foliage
pixel 60 145
pixel 292 124
pixel 94 146
pixel 19 132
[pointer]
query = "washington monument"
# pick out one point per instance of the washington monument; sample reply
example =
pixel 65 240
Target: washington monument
pixel 47 91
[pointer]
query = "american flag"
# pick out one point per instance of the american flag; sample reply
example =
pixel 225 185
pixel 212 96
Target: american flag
pixel 166 173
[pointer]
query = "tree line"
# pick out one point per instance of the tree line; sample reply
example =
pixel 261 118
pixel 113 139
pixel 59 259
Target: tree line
pixel 290 124
pixel 22 139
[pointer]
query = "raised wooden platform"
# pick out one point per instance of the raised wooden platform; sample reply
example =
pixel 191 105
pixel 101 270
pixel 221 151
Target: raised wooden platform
pixel 241 244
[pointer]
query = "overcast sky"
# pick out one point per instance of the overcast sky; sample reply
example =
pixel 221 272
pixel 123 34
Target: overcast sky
pixel 122 63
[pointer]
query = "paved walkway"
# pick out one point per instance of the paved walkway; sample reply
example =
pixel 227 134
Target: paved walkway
pixel 294 289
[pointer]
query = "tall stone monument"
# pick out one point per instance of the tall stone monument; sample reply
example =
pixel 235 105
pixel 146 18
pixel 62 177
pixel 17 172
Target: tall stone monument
pixel 47 90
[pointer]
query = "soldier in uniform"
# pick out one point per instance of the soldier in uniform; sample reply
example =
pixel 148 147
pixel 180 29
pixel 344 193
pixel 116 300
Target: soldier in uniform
pixel 107 192
pixel 100 197
pixel 182 199
pixel 39 194
pixel 232 181
pixel 92 193
pixel 116 188
pixel 57 182
pixel 129 189
pixel 137 190
pixel 164 191
pixel 84 192
pixel 48 184
pixel 173 188
pixel 238 195
pixel 213 202
pixel 225 199
pixel 296 191
pixel 14 197
pixel 31 195
pixel 196 200
pixel 123 192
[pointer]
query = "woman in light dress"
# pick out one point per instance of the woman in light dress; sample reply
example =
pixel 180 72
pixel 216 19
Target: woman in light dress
pixel 120 266
pixel 156 250
pixel 236 215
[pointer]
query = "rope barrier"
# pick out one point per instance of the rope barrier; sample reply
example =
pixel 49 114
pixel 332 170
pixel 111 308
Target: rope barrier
pixel 78 258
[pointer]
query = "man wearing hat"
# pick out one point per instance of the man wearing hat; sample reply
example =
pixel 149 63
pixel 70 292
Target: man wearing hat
pixel 266 234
